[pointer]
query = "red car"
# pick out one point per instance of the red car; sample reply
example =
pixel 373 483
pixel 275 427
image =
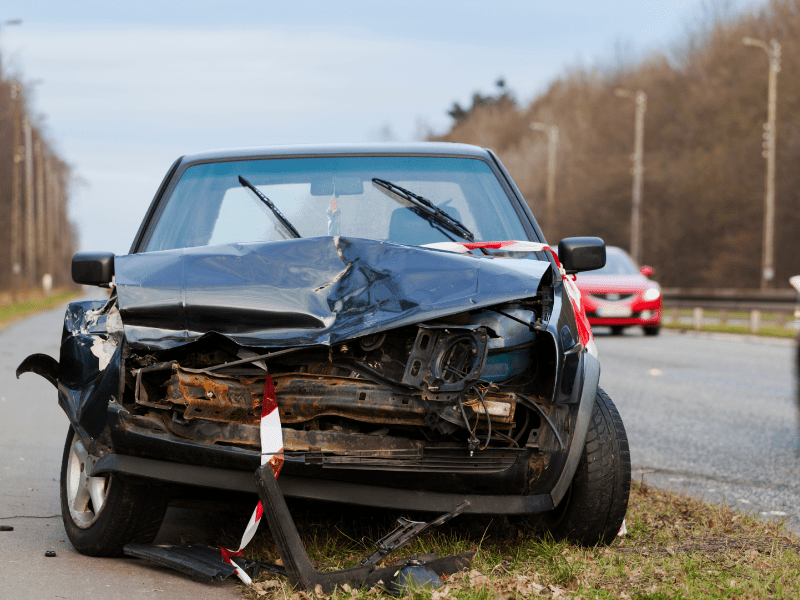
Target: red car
pixel 620 294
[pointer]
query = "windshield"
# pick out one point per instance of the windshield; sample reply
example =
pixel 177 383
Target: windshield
pixel 617 263
pixel 334 196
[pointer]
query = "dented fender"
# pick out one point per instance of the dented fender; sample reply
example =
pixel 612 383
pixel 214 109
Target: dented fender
pixel 587 379
pixel 88 371
pixel 41 364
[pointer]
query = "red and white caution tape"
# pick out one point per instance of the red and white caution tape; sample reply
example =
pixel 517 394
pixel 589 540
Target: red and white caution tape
pixel 506 246
pixel 272 453
pixel 574 294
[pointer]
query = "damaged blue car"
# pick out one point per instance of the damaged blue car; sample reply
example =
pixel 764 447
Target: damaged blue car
pixel 425 344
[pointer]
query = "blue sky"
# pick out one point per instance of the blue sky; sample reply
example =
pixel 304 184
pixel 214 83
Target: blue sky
pixel 128 88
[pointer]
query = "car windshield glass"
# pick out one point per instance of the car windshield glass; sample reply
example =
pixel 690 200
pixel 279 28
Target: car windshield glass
pixel 617 263
pixel 334 196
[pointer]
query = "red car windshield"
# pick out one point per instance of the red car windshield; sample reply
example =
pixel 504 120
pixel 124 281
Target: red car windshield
pixel 617 263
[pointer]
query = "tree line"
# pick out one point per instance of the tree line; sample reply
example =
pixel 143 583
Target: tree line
pixel 704 174
pixel 37 239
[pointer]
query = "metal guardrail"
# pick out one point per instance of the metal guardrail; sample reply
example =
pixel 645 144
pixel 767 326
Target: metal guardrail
pixel 782 306
pixel 731 299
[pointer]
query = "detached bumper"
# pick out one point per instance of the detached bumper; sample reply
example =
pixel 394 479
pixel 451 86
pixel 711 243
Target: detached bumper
pixel 319 489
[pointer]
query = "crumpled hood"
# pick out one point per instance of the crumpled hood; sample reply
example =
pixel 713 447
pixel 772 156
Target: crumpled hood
pixel 305 291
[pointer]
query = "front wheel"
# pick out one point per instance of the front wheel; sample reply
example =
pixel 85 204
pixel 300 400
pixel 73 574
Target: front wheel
pixel 102 514
pixel 652 330
pixel 594 507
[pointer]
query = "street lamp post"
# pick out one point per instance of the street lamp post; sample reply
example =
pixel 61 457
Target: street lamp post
pixel 32 249
pixel 552 148
pixel 30 216
pixel 16 195
pixel 773 50
pixel 640 100
pixel 16 216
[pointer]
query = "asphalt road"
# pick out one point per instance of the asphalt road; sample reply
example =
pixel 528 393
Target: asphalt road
pixel 32 432
pixel 710 414
pixel 714 415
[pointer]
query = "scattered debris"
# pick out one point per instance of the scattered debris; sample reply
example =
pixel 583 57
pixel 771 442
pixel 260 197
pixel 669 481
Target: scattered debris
pixel 200 562
pixel 6 528
pixel 50 553
pixel 204 563
pixel 413 576
pixel 300 571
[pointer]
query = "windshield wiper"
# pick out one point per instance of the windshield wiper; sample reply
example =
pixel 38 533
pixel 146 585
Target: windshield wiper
pixel 428 207
pixel 271 206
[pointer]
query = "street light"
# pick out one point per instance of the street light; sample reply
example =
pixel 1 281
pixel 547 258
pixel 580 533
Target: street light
pixel 16 217
pixel 552 147
pixel 640 99
pixel 31 250
pixel 773 50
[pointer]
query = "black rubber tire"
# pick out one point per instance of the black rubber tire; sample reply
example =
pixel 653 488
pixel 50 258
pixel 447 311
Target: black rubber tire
pixel 617 329
pixel 652 330
pixel 594 507
pixel 132 512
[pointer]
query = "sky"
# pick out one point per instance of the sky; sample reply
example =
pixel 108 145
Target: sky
pixel 126 88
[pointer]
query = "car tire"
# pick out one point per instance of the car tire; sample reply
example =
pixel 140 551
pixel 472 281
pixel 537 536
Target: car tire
pixel 652 330
pixel 128 511
pixel 594 507
pixel 617 329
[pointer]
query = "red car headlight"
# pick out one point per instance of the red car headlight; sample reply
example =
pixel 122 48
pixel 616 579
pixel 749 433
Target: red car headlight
pixel 651 294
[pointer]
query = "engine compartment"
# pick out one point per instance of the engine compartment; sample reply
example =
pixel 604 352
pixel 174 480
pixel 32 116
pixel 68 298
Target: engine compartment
pixel 478 384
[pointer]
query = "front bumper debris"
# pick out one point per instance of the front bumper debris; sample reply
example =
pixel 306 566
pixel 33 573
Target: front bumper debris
pixel 203 563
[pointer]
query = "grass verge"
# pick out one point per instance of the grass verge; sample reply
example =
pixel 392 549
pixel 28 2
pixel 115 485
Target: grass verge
pixel 676 547
pixel 12 312
pixel 764 331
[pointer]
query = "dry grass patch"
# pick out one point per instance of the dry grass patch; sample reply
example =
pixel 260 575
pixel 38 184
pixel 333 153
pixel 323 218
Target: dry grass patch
pixel 33 303
pixel 676 547
pixel 764 331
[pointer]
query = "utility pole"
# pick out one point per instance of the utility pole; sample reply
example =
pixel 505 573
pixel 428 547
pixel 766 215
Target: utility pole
pixel 773 50
pixel 552 148
pixel 16 197
pixel 640 100
pixel 41 243
pixel 16 217
pixel 30 223
pixel 50 201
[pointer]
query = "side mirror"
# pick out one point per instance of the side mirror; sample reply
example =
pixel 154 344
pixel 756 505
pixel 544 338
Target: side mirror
pixel 93 268
pixel 646 271
pixel 582 254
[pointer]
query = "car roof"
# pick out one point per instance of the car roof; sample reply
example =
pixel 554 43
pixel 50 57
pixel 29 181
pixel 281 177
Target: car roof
pixel 363 149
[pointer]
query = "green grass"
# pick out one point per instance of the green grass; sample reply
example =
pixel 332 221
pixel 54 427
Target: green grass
pixel 731 314
pixel 715 314
pixel 11 312
pixel 765 330
pixel 676 547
